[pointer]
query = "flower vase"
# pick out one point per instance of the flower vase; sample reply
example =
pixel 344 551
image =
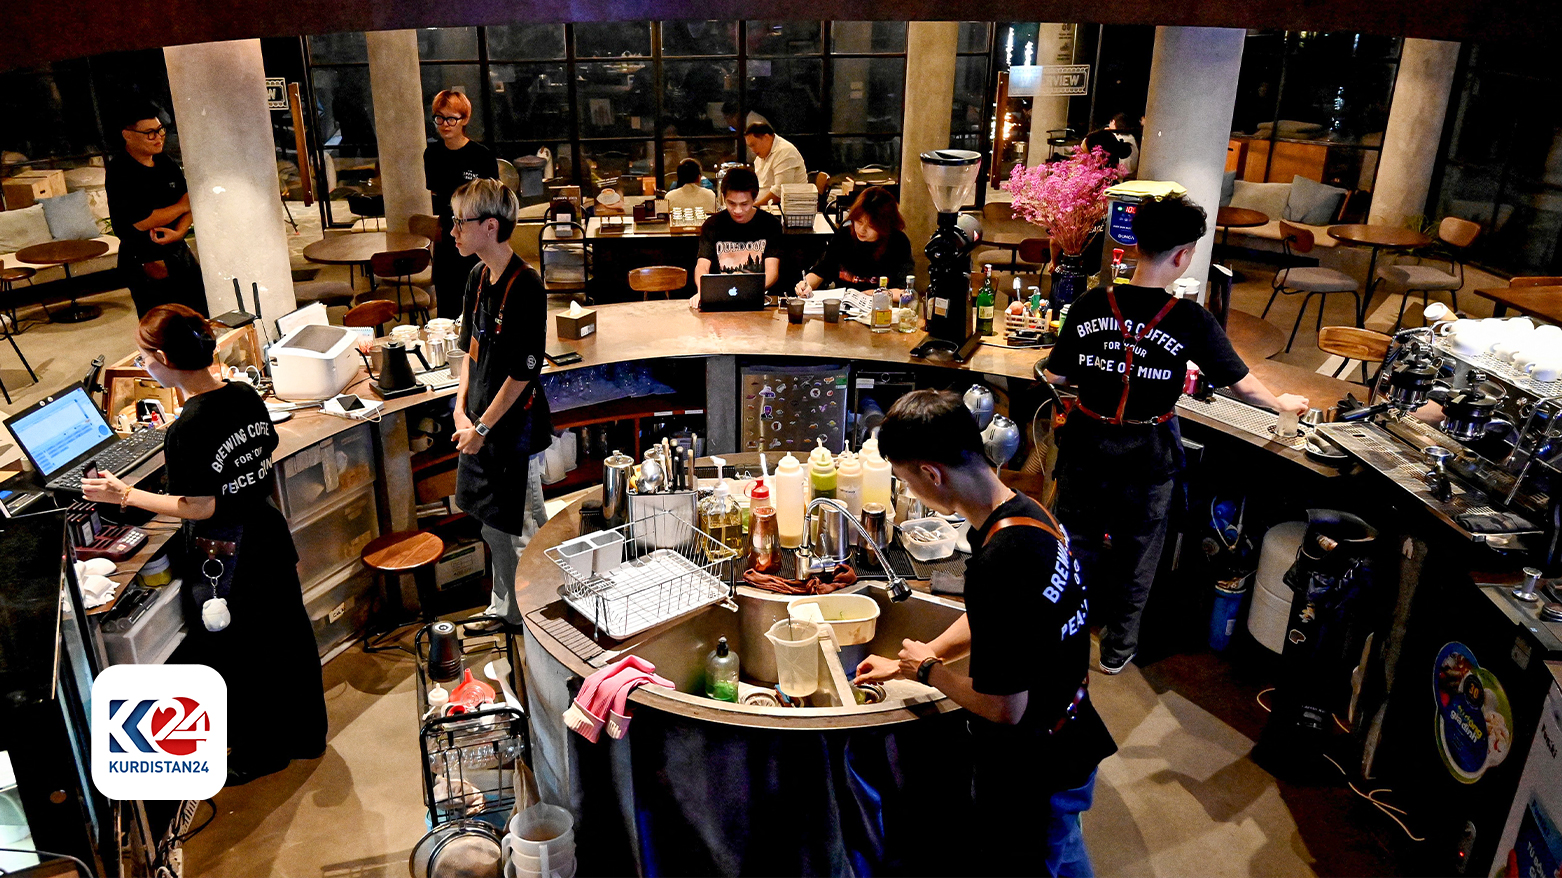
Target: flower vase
pixel 1068 280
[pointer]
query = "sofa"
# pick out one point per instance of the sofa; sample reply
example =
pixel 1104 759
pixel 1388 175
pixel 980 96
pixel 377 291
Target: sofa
pixel 81 213
pixel 1302 202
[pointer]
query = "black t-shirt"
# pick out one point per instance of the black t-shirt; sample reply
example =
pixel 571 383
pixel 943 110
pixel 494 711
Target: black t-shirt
pixel 848 262
pixel 1089 353
pixel 733 247
pixel 446 170
pixel 220 446
pixel 134 191
pixel 1027 609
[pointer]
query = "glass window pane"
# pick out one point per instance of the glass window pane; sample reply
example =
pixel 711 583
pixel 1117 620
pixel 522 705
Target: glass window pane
pixel 530 101
pixel 1263 57
pixel 711 154
pixel 345 108
pixel 696 96
pixel 525 42
pixel 699 38
pixel 613 39
pixel 345 48
pixel 616 98
pixel 867 94
pixel 970 94
pixel 447 44
pixel 457 77
pixel 785 38
pixel 787 93
pixel 868 36
pixel 851 153
pixel 606 161
pixel 973 36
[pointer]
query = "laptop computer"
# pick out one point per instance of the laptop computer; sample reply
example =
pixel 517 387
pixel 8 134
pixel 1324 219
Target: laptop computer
pixel 732 292
pixel 62 433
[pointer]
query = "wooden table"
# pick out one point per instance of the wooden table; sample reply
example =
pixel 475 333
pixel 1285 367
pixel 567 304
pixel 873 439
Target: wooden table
pixel 1253 337
pixel 1229 218
pixel 1377 237
pixel 65 254
pixel 1542 302
pixel 357 248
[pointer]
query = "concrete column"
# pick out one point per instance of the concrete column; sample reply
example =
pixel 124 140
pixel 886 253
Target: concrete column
pixel 1054 45
pixel 1415 128
pixel 397 85
pixel 1193 86
pixel 930 92
pixel 230 162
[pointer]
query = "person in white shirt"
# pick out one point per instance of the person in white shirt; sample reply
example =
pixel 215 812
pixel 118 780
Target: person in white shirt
pixel 776 161
pixel 691 192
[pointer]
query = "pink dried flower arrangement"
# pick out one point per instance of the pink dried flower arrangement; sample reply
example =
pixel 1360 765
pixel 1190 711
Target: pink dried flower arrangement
pixel 1066 198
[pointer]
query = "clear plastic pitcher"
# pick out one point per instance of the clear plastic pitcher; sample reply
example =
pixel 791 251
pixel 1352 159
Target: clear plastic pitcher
pixel 796 643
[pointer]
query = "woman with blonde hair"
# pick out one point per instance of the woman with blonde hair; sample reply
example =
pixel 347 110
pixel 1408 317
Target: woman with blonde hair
pixel 451 162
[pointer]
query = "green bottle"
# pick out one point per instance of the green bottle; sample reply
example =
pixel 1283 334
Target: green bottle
pixel 985 297
pixel 721 673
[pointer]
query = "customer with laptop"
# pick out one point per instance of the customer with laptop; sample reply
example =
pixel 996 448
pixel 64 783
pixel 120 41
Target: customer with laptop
pixel 243 603
pixel 742 239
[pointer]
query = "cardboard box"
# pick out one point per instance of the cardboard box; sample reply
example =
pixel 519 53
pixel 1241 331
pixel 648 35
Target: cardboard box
pixel 577 326
pixel 460 563
pixel 29 187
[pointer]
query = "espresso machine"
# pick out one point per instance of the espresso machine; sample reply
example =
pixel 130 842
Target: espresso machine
pixel 951 325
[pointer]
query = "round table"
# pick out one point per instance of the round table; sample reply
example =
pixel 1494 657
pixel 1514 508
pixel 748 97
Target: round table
pixel 1253 337
pixel 65 254
pixel 1376 237
pixel 357 248
pixel 1229 218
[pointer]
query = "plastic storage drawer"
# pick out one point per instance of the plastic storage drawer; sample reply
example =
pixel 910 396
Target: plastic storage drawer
pixel 327 471
pixel 339 608
pixel 335 538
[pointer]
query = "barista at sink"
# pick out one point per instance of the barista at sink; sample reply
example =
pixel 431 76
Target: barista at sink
pixel 1036 738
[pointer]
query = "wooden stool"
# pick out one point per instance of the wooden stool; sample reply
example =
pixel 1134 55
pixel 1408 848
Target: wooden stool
pixel 8 279
pixel 409 551
pixel 658 279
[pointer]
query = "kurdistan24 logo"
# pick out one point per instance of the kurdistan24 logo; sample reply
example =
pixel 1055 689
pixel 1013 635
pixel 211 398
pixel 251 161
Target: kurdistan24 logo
pixel 174 726
pixel 159 732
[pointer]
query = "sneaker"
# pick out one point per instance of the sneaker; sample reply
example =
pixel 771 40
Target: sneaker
pixel 1112 668
pixel 484 627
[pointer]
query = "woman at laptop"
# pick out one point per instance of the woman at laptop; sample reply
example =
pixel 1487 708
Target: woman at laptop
pixel 870 245
pixel 220 481
pixel 742 239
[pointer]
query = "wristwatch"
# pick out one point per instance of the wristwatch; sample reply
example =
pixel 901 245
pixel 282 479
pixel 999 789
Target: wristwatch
pixel 926 668
pixel 481 428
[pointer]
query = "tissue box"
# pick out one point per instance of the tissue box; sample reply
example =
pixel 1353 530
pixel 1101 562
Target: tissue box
pixel 577 326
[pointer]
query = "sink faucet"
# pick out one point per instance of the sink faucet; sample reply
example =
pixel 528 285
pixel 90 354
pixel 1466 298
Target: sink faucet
pixel 898 589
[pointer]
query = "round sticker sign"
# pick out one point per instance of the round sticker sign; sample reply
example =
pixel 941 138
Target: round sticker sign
pixel 1472 721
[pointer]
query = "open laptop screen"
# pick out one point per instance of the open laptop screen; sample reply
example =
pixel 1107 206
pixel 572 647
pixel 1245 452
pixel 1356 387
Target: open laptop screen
pixel 58 432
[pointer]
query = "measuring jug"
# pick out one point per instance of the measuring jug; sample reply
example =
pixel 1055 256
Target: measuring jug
pixel 796 643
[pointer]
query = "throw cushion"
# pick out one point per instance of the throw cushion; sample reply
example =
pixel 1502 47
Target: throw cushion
pixel 1227 188
pixel 23 228
pixel 1312 202
pixel 70 217
pixel 1266 198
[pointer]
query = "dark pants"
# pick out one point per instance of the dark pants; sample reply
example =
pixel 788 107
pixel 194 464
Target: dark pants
pixel 1016 813
pixel 1116 527
pixel 451 270
pixel 182 286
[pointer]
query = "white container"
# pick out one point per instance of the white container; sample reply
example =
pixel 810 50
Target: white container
pixel 553 469
pixel 1271 608
pixel 542 828
pixel 314 362
pixel 561 859
pixel 942 547
pixel 607 550
pixel 569 447
pixel 580 554
pixel 796 644
pixel 853 617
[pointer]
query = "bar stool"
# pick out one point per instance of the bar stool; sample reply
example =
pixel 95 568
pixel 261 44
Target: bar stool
pixel 409 551
pixel 657 279
pixel 1350 343
pixel 8 280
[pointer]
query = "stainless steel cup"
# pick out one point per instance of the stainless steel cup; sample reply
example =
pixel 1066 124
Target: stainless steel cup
pixel 832 534
pixel 874 522
pixel 616 470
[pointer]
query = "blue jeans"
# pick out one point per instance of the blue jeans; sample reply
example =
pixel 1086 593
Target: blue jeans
pixel 1003 791
pixel 1066 853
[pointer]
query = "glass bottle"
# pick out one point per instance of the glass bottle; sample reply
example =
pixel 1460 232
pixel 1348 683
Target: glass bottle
pixel 883 316
pixel 764 554
pixel 985 297
pixel 906 317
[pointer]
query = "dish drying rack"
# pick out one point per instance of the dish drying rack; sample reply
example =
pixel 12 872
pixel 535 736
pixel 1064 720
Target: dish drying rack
pixel 669 568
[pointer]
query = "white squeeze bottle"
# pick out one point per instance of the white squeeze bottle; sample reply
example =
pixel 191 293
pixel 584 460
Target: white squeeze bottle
pixel 875 478
pixel 848 484
pixel 789 502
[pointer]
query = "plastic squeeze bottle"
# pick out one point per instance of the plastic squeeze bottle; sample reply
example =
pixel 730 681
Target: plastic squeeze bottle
pixel 821 472
pixel 848 484
pixel 875 478
pixel 721 673
pixel 788 498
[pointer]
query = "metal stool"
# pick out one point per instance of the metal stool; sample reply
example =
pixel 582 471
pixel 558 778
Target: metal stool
pixel 409 551
pixel 8 279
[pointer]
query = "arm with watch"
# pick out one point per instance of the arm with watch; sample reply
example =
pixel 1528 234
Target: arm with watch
pixel 470 436
pixel 924 662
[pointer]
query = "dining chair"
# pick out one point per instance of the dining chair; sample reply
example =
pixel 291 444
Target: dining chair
pixel 1352 343
pixel 658 279
pixel 427 226
pixel 1311 280
pixel 1455 235
pixel 374 312
pixel 397 268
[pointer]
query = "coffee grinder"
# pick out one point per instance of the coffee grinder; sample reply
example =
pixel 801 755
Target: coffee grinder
pixel 951 179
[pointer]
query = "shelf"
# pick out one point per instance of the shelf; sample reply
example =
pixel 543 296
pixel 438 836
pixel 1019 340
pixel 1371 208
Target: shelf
pixel 626 409
pixel 587 472
pixel 428 460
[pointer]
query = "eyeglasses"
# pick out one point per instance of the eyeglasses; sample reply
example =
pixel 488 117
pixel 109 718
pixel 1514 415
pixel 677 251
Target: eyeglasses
pixel 150 133
pixel 448 120
pixel 457 222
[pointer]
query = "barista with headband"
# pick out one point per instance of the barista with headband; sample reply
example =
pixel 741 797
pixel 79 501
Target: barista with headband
pixel 1125 348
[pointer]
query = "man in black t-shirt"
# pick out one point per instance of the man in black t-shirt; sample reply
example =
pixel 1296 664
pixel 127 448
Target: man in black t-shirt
pixel 1036 737
pixel 501 415
pixel 742 239
pixel 447 165
pixel 1126 350
pixel 149 206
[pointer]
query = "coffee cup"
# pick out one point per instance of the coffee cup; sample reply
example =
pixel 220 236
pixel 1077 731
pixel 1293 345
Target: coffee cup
pixel 1545 370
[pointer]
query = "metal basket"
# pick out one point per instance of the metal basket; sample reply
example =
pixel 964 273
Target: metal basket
pixel 797 220
pixel 669 568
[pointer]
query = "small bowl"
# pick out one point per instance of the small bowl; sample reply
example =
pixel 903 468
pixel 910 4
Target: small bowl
pixel 933 550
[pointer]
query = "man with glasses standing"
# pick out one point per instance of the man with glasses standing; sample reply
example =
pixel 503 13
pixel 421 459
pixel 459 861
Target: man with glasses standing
pixel 149 206
pixel 447 166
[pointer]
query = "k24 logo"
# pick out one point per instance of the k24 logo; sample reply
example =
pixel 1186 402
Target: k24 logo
pixel 159 732
pixel 173 726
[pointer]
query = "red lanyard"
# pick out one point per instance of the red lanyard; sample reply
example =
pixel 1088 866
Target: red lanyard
pixel 1129 340
pixel 498 318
